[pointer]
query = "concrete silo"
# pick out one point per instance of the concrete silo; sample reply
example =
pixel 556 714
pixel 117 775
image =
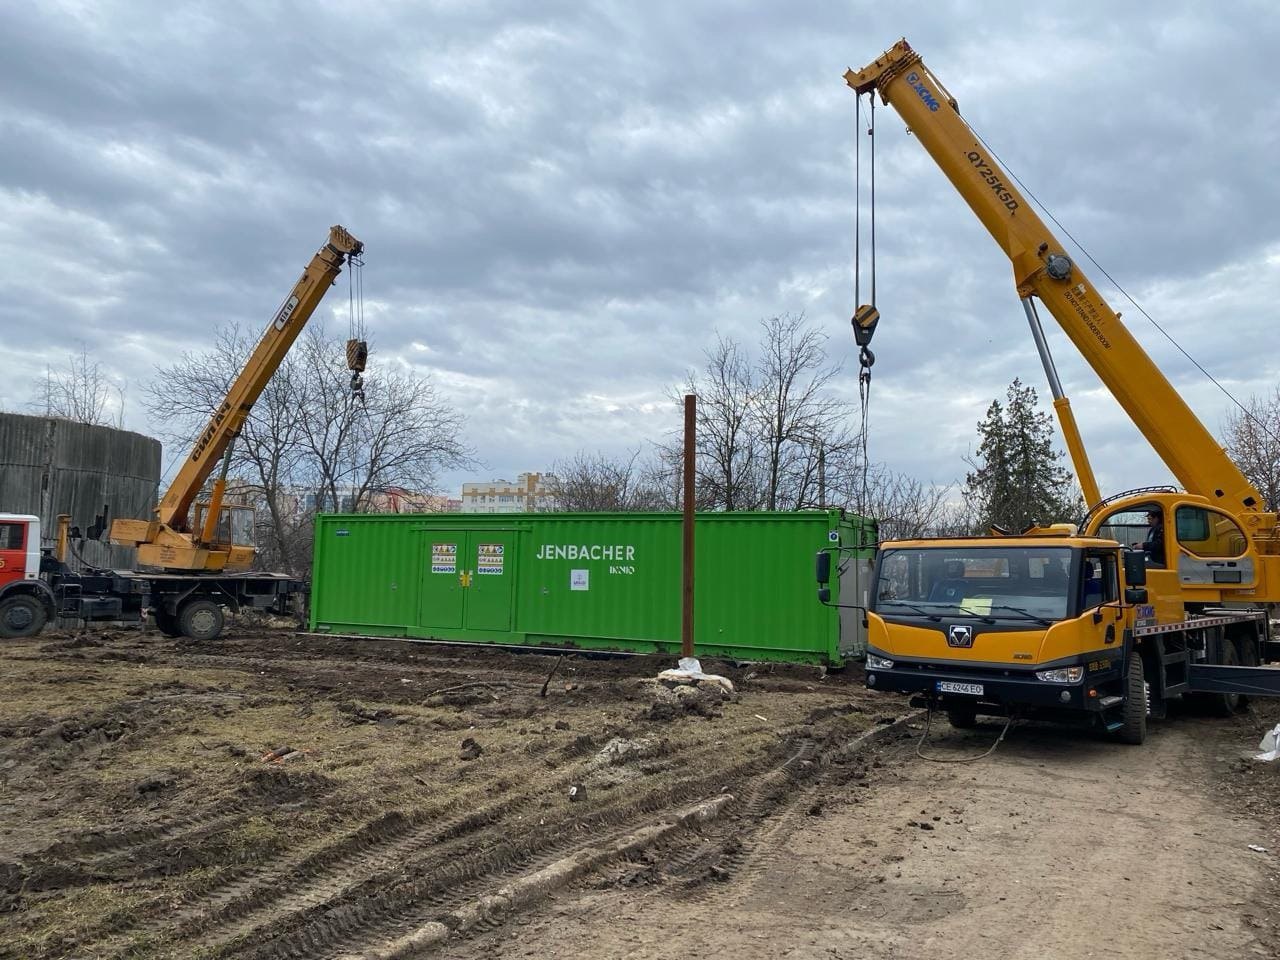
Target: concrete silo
pixel 50 466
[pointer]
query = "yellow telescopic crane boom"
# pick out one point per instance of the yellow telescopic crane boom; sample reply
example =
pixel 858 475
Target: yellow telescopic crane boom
pixel 1041 269
pixel 171 540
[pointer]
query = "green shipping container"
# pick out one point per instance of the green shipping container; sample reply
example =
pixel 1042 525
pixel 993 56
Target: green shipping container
pixel 596 581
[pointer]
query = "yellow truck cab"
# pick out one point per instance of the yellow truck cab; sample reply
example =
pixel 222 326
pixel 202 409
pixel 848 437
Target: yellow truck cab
pixel 1055 625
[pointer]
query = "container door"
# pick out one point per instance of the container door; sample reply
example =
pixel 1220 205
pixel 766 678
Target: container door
pixel 13 550
pixel 489 559
pixel 443 581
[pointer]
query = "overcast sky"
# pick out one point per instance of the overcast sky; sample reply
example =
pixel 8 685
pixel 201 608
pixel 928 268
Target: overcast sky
pixel 563 202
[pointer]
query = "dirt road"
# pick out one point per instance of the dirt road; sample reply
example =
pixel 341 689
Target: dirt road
pixel 1060 845
pixel 425 811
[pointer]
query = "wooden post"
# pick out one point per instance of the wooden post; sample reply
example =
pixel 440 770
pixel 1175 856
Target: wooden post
pixel 690 486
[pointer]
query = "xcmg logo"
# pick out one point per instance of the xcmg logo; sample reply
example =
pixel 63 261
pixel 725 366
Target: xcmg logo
pixel 926 94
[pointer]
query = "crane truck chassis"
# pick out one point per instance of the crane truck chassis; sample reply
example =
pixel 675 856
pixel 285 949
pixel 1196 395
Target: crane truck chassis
pixel 38 588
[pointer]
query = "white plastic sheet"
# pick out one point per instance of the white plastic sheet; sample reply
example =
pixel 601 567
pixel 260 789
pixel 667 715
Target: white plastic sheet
pixel 1270 745
pixel 690 670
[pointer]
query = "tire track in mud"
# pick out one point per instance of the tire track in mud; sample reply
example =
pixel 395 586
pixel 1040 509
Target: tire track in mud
pixel 356 886
pixel 453 875
pixel 362 872
pixel 346 929
pixel 727 858
pixel 236 891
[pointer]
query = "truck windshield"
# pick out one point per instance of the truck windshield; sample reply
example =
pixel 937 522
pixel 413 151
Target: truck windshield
pixel 996 583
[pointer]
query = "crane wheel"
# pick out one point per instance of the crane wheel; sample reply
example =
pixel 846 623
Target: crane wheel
pixel 963 717
pixel 167 623
pixel 21 616
pixel 1133 712
pixel 201 620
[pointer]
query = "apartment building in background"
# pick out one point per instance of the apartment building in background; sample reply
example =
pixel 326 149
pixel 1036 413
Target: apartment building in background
pixel 530 493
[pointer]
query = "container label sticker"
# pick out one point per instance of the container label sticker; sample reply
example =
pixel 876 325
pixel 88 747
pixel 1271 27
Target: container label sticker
pixel 444 558
pixel 579 579
pixel 489 558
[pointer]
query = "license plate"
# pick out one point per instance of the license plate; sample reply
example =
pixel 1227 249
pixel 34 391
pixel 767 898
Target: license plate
pixel 949 686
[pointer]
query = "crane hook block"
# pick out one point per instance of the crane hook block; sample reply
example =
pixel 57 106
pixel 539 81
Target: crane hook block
pixel 357 355
pixel 864 322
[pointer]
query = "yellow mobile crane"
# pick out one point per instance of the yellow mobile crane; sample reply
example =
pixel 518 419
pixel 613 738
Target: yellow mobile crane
pixel 198 568
pixel 1063 621
pixel 199 554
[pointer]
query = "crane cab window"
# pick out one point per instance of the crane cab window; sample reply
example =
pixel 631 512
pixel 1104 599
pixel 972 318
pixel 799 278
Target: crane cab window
pixel 1099 580
pixel 1128 526
pixel 1207 533
pixel 242 524
pixel 12 535
pixel 235 525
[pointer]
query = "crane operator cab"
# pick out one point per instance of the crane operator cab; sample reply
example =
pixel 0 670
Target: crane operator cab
pixel 1201 546
pixel 233 533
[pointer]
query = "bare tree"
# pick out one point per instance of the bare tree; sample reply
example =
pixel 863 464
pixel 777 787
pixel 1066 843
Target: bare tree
pixel 907 507
pixel 1253 441
pixel 798 419
pixel 729 454
pixel 773 433
pixel 596 482
pixel 308 443
pixel 81 391
pixel 399 435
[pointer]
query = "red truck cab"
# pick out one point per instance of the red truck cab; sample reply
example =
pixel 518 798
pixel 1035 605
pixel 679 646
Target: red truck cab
pixel 25 600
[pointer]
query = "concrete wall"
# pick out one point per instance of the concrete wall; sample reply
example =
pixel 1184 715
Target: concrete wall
pixel 50 466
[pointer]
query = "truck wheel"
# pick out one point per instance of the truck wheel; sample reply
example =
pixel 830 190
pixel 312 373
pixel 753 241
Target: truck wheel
pixel 21 616
pixel 964 717
pixel 200 619
pixel 1226 704
pixel 167 623
pixel 1133 712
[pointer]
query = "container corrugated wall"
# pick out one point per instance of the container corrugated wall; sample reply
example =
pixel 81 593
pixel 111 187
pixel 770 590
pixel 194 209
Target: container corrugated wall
pixel 597 581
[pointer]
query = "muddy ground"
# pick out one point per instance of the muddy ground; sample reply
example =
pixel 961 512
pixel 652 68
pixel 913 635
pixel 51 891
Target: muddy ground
pixel 138 817
pixel 428 786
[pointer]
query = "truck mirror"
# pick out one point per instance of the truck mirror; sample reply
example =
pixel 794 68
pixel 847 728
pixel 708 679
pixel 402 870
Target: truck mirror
pixel 1135 568
pixel 824 595
pixel 1135 595
pixel 823 566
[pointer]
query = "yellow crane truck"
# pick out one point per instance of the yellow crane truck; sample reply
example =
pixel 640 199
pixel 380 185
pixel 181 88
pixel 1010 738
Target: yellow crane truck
pixel 196 563
pixel 1158 593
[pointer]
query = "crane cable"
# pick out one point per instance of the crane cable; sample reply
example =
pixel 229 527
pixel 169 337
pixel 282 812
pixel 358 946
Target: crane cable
pixel 1248 414
pixel 928 721
pixel 357 346
pixel 865 357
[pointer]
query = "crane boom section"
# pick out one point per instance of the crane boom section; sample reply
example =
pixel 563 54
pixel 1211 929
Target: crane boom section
pixel 225 424
pixel 1041 269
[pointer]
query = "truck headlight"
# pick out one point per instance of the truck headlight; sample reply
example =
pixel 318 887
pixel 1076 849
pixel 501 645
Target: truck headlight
pixel 878 663
pixel 1062 675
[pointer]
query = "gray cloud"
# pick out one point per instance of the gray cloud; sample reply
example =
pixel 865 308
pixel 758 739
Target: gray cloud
pixel 563 203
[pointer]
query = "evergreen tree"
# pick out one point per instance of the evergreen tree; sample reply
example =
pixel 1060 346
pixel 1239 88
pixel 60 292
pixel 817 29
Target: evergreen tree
pixel 1018 478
